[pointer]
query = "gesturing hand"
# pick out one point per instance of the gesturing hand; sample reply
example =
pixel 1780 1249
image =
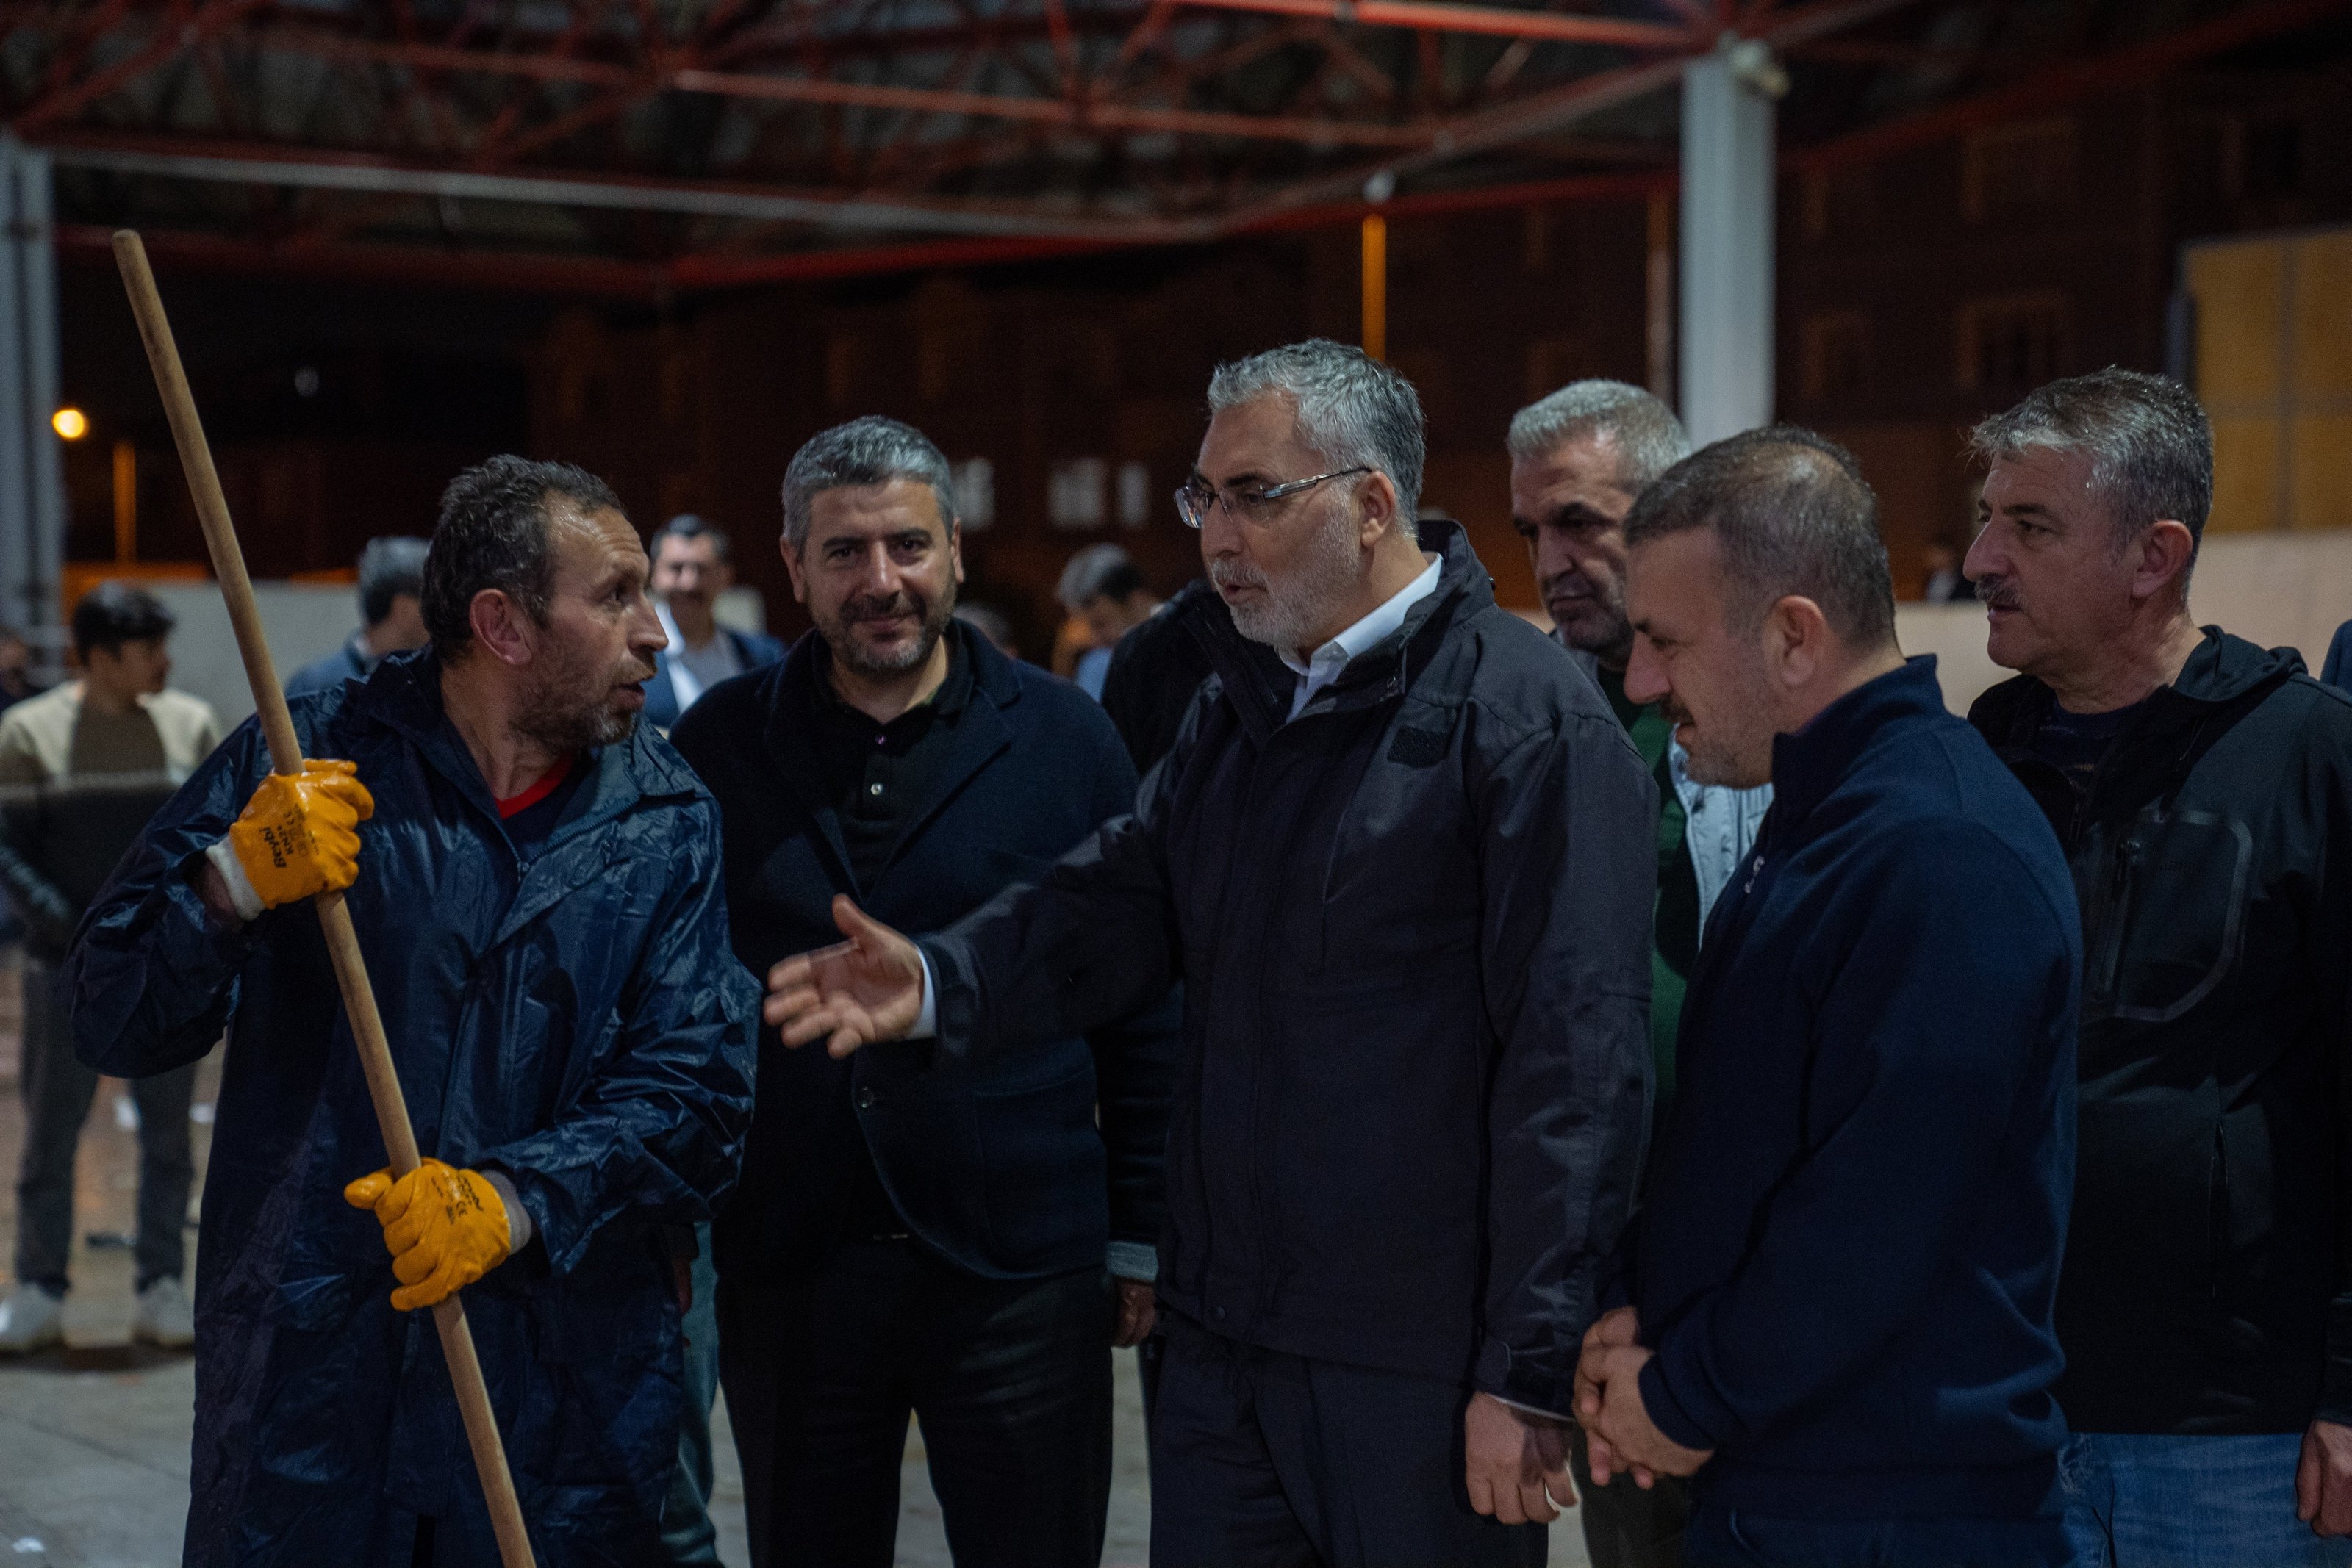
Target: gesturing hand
pixel 1138 1311
pixel 1515 1462
pixel 1618 1328
pixel 868 988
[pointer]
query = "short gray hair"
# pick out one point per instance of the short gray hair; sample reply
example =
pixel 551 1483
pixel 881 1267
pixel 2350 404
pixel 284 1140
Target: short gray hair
pixel 868 451
pixel 1098 571
pixel 1351 409
pixel 1649 439
pixel 1792 515
pixel 2150 444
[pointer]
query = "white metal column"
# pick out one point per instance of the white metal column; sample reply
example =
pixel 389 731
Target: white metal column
pixel 32 482
pixel 1727 240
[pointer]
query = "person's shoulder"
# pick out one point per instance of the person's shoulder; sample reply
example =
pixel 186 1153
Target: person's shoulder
pixel 181 707
pixel 59 704
pixel 1520 675
pixel 731 710
pixel 756 649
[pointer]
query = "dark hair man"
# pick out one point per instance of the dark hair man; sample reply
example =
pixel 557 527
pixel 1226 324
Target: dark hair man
pixel 694 565
pixel 1406 876
pixel 946 1243
pixel 82 766
pixel 1845 1259
pixel 391 590
pixel 2202 789
pixel 1579 459
pixel 535 880
pixel 1102 587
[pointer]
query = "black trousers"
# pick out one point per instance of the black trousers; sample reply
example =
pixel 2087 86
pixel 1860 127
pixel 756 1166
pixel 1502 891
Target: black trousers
pixel 1265 1460
pixel 1010 1379
pixel 1624 1525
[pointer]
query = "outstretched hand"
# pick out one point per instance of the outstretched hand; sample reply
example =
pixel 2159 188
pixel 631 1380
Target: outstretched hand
pixel 863 990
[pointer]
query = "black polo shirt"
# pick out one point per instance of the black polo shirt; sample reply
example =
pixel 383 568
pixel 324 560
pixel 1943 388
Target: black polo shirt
pixel 876 773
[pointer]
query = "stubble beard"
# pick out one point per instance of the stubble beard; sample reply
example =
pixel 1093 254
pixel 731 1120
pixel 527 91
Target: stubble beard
pixel 852 654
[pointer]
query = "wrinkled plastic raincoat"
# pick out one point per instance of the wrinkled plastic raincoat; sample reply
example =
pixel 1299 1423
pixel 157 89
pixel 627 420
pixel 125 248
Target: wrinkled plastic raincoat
pixel 574 1018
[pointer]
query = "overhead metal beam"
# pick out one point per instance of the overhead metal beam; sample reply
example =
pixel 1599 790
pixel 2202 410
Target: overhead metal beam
pixel 1491 21
pixel 1086 114
pixel 248 164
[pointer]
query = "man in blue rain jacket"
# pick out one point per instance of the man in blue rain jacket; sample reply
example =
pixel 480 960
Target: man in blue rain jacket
pixel 538 894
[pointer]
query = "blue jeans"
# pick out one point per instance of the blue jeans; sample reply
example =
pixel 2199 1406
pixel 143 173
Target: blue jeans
pixel 2153 1500
pixel 1734 1538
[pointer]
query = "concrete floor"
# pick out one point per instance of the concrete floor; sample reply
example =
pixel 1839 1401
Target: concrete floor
pixel 94 1439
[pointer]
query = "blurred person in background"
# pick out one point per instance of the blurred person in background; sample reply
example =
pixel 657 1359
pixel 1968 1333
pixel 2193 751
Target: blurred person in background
pixel 1406 874
pixel 16 668
pixel 1580 459
pixel 1161 664
pixel 534 876
pixel 2202 789
pixel 2337 670
pixel 1945 584
pixel 392 584
pixel 1843 1268
pixel 1101 587
pixel 82 767
pixel 990 623
pixel 693 568
pixel 965 1244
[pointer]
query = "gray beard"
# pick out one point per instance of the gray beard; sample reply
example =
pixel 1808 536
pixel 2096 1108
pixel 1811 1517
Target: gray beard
pixel 1295 608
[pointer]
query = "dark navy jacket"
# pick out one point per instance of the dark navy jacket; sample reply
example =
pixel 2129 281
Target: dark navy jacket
pixel 753 649
pixel 348 662
pixel 1412 925
pixel 1850 1248
pixel 1016 1170
pixel 576 1020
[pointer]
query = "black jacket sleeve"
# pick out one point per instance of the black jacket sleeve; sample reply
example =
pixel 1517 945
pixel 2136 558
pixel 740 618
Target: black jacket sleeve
pixel 1092 944
pixel 1135 1067
pixel 1568 859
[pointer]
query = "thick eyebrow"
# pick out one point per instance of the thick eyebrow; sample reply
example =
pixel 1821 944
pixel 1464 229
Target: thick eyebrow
pixel 1242 480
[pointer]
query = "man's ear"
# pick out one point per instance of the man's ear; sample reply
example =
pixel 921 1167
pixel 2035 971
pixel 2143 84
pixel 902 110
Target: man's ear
pixel 1796 642
pixel 502 626
pixel 792 567
pixel 2164 552
pixel 955 549
pixel 1376 494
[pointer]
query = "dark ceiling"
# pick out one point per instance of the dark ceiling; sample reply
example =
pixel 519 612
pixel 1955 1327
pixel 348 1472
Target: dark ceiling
pixel 643 146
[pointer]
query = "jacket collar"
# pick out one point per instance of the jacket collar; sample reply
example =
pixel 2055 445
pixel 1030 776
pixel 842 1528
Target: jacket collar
pixel 2222 672
pixel 1808 765
pixel 1380 673
pixel 973 741
pixel 404 695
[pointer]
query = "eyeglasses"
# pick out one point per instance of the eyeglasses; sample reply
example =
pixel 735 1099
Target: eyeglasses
pixel 1255 504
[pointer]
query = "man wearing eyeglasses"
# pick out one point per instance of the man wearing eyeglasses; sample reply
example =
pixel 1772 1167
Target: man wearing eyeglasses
pixel 1404 863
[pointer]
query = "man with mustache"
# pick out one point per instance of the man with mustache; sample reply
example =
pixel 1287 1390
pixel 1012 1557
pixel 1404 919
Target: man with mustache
pixel 1843 1272
pixel 1402 856
pixel 535 880
pixel 1579 458
pixel 2202 789
pixel 967 1244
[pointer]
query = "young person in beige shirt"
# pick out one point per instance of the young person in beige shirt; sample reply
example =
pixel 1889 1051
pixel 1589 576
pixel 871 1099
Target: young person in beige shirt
pixel 82 767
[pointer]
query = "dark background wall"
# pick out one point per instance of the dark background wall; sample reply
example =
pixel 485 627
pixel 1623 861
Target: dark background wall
pixel 1916 294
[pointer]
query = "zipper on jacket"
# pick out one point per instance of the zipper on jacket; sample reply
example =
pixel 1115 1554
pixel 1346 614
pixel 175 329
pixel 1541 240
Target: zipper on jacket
pixel 2217 1222
pixel 2119 900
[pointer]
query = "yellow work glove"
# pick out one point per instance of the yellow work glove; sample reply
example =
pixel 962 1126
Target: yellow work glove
pixel 445 1228
pixel 298 836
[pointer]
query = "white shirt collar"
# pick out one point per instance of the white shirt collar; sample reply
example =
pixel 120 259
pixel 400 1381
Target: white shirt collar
pixel 1323 666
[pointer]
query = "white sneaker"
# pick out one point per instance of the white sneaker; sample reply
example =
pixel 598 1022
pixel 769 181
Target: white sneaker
pixel 165 1316
pixel 31 1319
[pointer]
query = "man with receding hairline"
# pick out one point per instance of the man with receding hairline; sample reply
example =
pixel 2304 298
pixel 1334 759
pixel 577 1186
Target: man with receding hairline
pixel 2202 789
pixel 1843 1272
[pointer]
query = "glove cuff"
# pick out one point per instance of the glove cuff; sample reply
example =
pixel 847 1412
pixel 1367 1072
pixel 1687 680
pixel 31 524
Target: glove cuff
pixel 241 895
pixel 518 1227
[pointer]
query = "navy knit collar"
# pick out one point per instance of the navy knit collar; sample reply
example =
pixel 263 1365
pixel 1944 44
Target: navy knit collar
pixel 1810 763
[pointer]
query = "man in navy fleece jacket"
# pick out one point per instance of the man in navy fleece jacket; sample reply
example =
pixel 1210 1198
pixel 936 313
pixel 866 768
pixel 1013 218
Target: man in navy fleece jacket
pixel 1844 1276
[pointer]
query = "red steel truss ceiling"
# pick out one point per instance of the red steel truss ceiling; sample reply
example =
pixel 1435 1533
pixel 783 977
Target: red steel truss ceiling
pixel 633 146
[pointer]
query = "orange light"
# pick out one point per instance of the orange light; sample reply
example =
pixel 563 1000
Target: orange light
pixel 71 423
